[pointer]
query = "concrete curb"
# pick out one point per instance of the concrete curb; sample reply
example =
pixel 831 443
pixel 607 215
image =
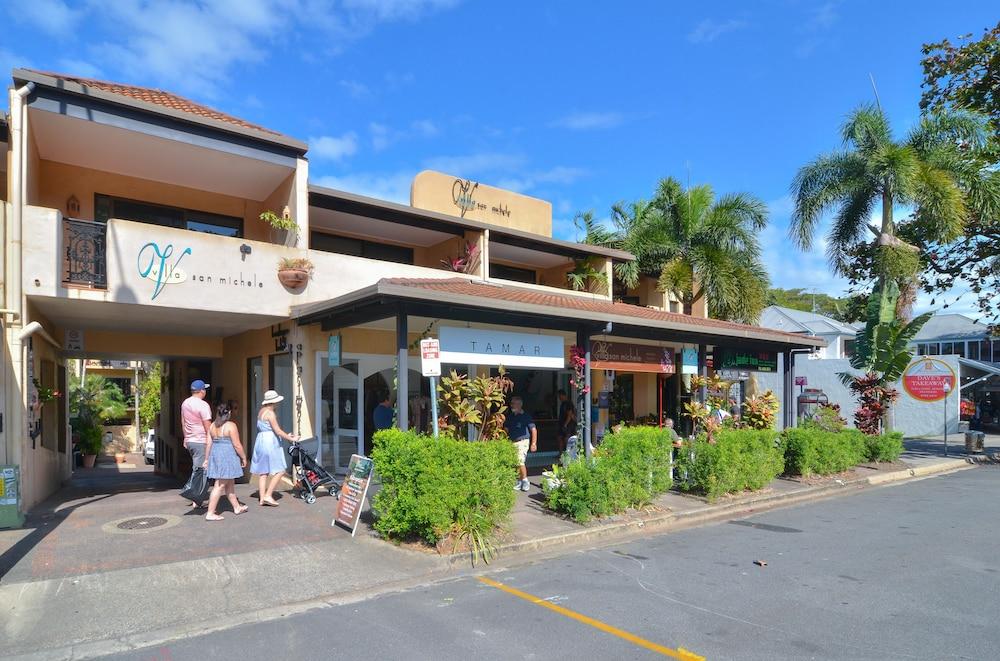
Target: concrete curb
pixel 667 521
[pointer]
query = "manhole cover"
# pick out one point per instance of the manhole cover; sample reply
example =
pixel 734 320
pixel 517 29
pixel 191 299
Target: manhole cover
pixel 136 525
pixel 142 523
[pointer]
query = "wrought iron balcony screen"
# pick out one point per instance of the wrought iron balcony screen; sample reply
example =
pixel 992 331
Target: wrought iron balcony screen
pixel 85 259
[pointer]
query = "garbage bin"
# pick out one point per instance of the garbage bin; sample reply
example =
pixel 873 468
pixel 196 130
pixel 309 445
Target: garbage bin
pixel 974 441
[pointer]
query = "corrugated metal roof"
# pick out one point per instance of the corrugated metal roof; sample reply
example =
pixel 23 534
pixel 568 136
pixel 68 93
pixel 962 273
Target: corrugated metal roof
pixel 951 327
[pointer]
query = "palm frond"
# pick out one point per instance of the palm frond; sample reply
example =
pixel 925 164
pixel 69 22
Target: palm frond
pixel 940 204
pixel 866 129
pixel 819 186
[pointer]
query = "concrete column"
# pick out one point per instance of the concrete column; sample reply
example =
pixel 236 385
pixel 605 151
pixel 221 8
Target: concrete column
pixel 402 371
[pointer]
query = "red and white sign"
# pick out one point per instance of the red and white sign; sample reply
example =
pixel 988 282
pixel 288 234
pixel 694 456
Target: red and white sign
pixel 801 381
pixel 430 357
pixel 925 379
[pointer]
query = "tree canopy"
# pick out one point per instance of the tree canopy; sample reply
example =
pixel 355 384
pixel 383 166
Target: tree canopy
pixel 696 245
pixel 967 77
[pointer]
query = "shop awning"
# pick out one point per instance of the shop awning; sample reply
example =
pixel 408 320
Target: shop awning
pixel 489 302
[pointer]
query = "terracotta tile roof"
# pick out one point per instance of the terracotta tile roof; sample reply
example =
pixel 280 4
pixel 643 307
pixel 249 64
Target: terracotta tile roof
pixel 513 294
pixel 159 98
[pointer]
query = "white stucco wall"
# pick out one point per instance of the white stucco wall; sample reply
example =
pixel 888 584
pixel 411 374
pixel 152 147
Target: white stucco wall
pixel 213 274
pixel 911 416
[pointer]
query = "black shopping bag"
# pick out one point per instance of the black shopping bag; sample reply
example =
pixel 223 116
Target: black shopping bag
pixel 196 488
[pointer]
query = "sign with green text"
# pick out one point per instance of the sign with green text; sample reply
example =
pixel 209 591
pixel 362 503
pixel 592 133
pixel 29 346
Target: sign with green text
pixel 754 361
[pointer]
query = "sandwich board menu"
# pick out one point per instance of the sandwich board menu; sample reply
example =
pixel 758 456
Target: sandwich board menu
pixel 352 494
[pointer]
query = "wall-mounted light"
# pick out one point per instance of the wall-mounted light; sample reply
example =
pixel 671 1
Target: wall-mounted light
pixel 245 250
pixel 72 207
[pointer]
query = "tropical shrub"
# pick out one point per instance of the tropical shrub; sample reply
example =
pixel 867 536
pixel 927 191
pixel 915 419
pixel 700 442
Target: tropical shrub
pixel 884 447
pixel 480 402
pixel 93 401
pixel 631 467
pixel 760 411
pixel 738 460
pixel 814 451
pixel 827 417
pixel 436 488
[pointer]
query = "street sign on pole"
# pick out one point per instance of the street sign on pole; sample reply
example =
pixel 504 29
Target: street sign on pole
pixel 430 357
pixel 430 366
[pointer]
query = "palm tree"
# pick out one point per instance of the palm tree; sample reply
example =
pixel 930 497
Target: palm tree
pixel 96 399
pixel 928 171
pixel 713 249
pixel 697 246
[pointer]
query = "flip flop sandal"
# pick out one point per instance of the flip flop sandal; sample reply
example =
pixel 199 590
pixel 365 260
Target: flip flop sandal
pixel 216 518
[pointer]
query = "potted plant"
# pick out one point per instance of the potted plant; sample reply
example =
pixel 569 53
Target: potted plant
pixel 93 402
pixel 294 272
pixel 281 226
pixel 88 440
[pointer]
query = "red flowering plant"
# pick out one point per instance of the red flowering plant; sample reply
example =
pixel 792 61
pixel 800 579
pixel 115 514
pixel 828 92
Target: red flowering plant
pixel 578 363
pixel 874 400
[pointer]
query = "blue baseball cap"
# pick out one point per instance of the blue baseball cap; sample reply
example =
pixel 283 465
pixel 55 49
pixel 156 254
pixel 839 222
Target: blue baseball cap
pixel 198 384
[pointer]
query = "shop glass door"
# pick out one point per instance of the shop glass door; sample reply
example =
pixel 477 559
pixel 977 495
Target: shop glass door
pixel 340 422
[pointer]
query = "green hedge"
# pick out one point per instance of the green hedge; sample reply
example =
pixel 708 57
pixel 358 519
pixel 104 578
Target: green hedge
pixel 886 447
pixel 740 459
pixel 629 469
pixel 431 487
pixel 810 450
pixel 813 451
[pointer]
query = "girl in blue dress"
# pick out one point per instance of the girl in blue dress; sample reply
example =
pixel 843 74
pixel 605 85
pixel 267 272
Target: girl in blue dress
pixel 268 457
pixel 224 462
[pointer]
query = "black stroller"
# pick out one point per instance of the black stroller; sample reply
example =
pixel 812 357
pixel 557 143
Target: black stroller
pixel 308 473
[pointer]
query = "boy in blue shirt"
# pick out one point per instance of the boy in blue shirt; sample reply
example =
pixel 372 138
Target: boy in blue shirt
pixel 521 430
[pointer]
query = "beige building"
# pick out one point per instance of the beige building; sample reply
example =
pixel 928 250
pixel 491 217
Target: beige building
pixel 132 231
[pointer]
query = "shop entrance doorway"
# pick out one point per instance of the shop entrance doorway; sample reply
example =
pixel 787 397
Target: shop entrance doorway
pixel 340 422
pixel 539 389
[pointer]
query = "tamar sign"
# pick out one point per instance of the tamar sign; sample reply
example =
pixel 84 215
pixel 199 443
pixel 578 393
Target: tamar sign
pixel 352 494
pixel 924 379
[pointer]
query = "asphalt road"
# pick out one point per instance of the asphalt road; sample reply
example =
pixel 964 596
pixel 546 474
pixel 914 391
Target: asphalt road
pixel 906 572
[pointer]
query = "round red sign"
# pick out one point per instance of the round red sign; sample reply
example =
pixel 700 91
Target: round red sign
pixel 925 379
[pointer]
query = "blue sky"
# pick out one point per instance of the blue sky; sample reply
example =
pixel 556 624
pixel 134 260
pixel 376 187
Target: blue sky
pixel 579 103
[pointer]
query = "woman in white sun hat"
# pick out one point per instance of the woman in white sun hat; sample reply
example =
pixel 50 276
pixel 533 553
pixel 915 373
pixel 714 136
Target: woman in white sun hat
pixel 268 458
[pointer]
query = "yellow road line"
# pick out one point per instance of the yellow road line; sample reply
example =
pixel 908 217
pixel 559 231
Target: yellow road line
pixel 679 653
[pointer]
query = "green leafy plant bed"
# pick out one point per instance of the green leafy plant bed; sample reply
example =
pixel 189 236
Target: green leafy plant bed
pixel 884 447
pixel 738 460
pixel 631 467
pixel 814 451
pixel 441 490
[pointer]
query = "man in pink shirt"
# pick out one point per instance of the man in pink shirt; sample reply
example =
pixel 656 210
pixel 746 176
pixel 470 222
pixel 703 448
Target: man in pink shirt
pixel 196 419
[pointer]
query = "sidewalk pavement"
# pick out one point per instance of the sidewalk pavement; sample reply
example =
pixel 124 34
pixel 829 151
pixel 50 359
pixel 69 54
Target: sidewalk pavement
pixel 73 584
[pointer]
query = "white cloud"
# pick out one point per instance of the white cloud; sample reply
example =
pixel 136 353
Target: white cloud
pixel 816 28
pixel 394 187
pixel 709 29
pixel 80 68
pixel 394 10
pixel 425 127
pixel 53 17
pixel 585 121
pixel 357 90
pixel 380 136
pixel 10 60
pixel 475 165
pixel 192 46
pixel 383 136
pixel 333 147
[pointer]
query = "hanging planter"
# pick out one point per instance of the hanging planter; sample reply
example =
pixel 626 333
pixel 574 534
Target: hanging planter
pixel 294 272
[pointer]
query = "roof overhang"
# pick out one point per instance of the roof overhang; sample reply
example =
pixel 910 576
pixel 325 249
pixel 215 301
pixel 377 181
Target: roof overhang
pixel 360 205
pixel 386 298
pixel 80 92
